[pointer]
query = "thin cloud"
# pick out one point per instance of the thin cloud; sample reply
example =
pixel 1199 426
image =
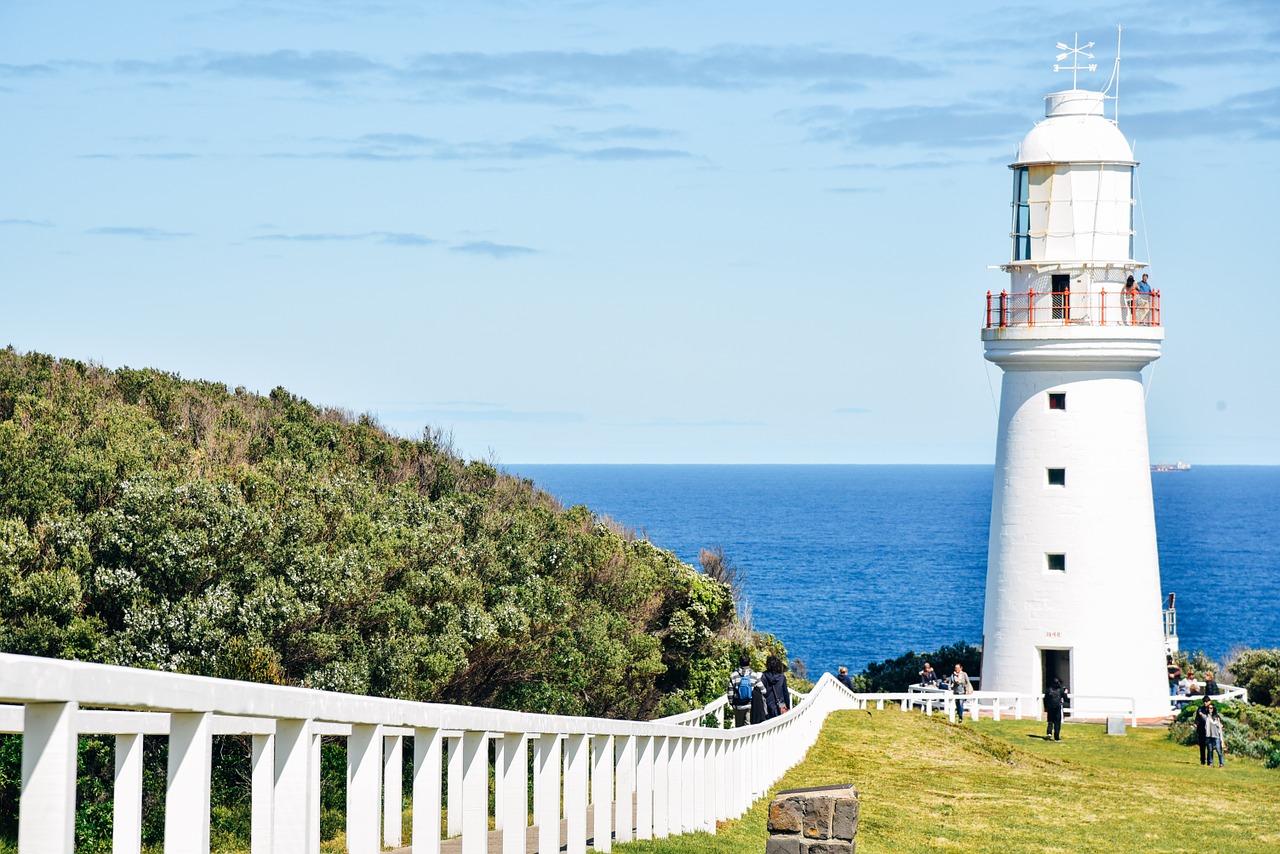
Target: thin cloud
pixel 36 223
pixel 727 67
pixel 710 422
pixel 142 232
pixel 943 126
pixel 390 238
pixel 543 76
pixel 501 251
pixel 497 414
pixel 1251 115
pixel 633 153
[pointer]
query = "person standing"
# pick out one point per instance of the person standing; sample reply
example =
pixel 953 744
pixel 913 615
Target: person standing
pixel 842 676
pixel 744 685
pixel 1211 688
pixel 928 676
pixel 1054 699
pixel 961 686
pixel 1175 672
pixel 1202 730
pixel 777 698
pixel 1127 294
pixel 1143 300
pixel 1213 735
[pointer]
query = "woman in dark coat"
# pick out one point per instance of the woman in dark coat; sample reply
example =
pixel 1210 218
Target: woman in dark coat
pixel 777 698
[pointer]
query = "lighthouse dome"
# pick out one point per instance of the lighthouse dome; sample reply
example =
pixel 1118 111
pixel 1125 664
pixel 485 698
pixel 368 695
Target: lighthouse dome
pixel 1074 130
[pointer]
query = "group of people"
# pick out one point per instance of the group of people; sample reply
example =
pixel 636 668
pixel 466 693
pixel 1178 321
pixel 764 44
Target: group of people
pixel 756 697
pixel 1137 299
pixel 1209 733
pixel 957 683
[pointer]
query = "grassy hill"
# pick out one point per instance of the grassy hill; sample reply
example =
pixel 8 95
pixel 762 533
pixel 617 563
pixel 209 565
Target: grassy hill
pixel 927 785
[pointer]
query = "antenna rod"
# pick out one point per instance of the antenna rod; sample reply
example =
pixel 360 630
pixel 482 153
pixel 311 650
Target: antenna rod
pixel 1119 33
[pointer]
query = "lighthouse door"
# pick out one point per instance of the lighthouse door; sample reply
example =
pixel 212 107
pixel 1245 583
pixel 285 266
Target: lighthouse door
pixel 1061 299
pixel 1055 662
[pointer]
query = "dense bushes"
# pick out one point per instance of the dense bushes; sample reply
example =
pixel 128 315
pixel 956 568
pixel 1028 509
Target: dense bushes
pixel 1258 672
pixel 152 521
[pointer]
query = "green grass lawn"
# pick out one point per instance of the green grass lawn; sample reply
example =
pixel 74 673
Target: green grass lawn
pixel 927 785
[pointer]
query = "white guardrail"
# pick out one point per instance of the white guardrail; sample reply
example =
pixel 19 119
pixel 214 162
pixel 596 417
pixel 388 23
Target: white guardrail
pixel 681 777
pixel 649 780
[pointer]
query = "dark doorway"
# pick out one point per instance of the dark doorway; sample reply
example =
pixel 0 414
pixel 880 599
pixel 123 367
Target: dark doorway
pixel 1061 296
pixel 1055 662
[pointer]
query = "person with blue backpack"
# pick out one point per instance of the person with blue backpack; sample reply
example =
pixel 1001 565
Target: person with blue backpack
pixel 745 686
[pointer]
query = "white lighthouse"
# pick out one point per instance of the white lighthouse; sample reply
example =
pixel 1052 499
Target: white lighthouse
pixel 1073 581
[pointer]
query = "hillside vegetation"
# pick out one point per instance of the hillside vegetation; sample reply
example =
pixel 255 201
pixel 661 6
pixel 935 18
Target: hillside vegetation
pixel 153 521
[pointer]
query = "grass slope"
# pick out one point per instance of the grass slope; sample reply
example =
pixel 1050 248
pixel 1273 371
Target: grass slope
pixel 928 785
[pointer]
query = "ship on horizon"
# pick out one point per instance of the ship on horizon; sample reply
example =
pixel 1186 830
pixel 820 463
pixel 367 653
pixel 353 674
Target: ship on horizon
pixel 1178 466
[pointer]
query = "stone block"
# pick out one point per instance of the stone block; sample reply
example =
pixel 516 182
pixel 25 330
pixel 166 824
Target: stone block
pixel 829 846
pixel 844 820
pixel 818 811
pixel 786 815
pixel 785 845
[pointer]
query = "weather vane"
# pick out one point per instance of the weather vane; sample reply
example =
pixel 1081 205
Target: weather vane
pixel 1075 53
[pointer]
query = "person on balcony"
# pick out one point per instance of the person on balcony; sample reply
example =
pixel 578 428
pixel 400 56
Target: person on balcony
pixel 1143 301
pixel 1127 294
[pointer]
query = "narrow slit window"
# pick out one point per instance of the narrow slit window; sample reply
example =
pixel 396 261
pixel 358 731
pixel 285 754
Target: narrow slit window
pixel 1057 400
pixel 1057 477
pixel 1057 562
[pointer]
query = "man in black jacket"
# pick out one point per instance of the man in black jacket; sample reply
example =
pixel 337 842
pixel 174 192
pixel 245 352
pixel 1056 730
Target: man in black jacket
pixel 1202 720
pixel 1054 699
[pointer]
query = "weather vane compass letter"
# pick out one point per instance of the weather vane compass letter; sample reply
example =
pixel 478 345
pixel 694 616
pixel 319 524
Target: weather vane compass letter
pixel 1075 53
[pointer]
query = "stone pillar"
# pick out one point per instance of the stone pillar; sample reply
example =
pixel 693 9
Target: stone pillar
pixel 819 820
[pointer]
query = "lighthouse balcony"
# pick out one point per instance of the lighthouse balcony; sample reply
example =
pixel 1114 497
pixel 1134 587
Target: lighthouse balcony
pixel 1064 308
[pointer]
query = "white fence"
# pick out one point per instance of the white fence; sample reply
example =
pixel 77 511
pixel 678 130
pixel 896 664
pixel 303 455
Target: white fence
pixel 641 780
pixel 680 777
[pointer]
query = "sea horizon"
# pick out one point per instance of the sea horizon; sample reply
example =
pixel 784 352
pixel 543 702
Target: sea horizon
pixel 854 563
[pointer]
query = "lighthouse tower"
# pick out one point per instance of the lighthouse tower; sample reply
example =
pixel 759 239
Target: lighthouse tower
pixel 1073 581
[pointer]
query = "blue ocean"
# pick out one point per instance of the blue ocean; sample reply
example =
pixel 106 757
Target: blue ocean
pixel 855 564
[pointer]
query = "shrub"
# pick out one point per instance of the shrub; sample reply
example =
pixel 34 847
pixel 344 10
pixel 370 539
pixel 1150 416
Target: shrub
pixel 1258 672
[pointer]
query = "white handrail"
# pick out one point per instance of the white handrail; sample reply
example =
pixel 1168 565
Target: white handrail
pixel 681 776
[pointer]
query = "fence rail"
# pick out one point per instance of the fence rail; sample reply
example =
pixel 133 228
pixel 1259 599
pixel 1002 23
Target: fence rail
pixel 1067 308
pixel 681 777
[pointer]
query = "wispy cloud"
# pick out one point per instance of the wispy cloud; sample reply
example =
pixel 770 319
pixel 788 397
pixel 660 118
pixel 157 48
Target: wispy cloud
pixel 542 76
pixel 37 223
pixel 709 422
pixel 141 232
pixel 943 126
pixel 501 251
pixel 488 412
pixel 390 238
pixel 1251 115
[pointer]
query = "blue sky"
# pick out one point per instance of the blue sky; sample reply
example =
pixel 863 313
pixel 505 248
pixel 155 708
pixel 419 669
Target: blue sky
pixel 621 232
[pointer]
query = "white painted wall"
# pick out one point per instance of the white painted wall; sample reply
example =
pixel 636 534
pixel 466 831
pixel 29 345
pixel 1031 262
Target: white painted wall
pixel 1106 607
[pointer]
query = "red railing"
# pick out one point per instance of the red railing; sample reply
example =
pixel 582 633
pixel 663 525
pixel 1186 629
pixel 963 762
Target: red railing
pixel 1063 308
